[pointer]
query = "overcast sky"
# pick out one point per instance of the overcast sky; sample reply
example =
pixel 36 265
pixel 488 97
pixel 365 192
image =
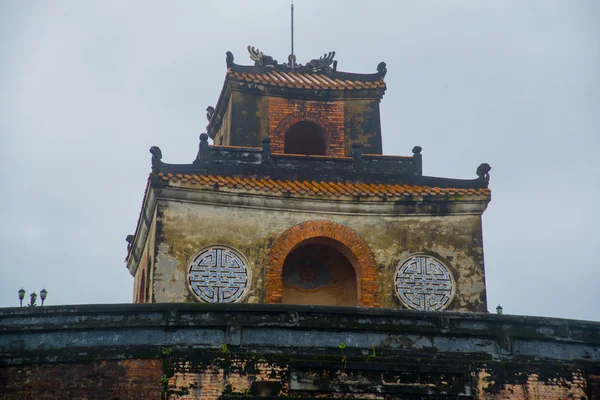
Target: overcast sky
pixel 86 87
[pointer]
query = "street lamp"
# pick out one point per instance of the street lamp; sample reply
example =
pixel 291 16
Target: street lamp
pixel 21 296
pixel 43 294
pixel 499 310
pixel 32 299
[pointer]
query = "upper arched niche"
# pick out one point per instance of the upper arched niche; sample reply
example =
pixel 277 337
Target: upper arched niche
pixel 305 137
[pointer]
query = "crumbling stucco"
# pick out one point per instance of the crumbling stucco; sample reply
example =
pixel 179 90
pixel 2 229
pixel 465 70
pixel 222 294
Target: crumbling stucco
pixel 184 228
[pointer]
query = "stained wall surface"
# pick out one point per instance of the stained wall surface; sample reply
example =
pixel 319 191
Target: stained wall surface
pixel 183 228
pixel 143 278
pixel 250 351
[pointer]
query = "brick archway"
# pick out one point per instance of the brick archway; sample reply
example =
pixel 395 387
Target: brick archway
pixel 352 246
pixel 334 137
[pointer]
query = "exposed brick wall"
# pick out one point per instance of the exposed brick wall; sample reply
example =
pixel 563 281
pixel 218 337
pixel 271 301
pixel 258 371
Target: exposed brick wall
pixel 352 246
pixel 208 384
pixel 246 378
pixel 284 113
pixel 123 380
pixel 211 382
pixel 490 387
pixel 594 386
pixel 242 377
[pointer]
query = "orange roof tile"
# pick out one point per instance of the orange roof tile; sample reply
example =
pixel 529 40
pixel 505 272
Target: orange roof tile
pixel 304 80
pixel 320 188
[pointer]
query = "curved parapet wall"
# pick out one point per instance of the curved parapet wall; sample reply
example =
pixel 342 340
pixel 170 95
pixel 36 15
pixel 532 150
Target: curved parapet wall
pixel 215 351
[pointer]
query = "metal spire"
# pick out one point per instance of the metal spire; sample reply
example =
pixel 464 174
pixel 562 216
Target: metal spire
pixel 292 56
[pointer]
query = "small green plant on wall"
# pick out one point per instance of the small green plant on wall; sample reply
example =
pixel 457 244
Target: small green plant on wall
pixel 342 346
pixel 373 354
pixel 224 348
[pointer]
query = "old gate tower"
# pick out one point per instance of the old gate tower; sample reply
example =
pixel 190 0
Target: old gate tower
pixel 294 203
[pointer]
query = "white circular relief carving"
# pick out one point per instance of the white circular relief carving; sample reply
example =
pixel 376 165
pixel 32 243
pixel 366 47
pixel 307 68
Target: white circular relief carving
pixel 424 283
pixel 219 274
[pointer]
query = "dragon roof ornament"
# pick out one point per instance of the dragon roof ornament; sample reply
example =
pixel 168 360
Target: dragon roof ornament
pixel 263 60
pixel 324 64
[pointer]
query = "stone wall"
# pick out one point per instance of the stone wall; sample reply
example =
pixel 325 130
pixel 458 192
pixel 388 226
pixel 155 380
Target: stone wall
pixel 379 243
pixel 192 351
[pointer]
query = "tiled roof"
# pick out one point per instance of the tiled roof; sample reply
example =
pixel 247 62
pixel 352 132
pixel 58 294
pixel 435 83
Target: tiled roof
pixel 304 80
pixel 320 188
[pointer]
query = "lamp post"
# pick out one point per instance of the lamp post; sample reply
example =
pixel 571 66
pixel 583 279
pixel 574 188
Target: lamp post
pixel 43 294
pixel 32 299
pixel 499 310
pixel 21 296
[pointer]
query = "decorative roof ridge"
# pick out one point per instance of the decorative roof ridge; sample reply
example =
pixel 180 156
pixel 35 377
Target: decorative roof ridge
pixel 351 76
pixel 323 65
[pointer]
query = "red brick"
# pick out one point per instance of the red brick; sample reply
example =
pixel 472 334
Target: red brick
pixel 283 113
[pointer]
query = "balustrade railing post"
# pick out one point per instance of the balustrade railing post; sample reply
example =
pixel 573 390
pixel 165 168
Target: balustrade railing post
pixel 203 149
pixel 266 150
pixel 418 160
pixel 359 163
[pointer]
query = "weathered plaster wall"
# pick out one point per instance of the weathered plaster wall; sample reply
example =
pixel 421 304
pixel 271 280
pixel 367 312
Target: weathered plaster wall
pixel 141 277
pixel 146 267
pixel 223 136
pixel 137 279
pixel 362 124
pixel 184 228
pixel 249 116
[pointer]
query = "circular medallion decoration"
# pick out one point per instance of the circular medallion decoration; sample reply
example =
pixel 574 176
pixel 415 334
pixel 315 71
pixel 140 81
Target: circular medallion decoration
pixel 424 283
pixel 219 274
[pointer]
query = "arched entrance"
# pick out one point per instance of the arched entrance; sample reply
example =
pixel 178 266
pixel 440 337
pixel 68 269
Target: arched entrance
pixel 299 242
pixel 305 138
pixel 315 272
